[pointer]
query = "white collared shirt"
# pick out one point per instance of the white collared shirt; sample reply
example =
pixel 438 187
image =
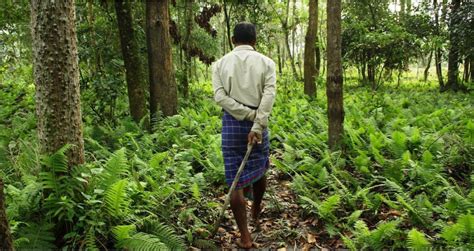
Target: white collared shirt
pixel 244 78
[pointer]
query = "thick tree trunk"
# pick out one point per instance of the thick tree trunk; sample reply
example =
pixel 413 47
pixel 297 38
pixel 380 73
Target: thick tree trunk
pixel 188 10
pixel 131 58
pixel 453 57
pixel 6 241
pixel 428 65
pixel 334 75
pixel 56 73
pixel 163 91
pixel 310 49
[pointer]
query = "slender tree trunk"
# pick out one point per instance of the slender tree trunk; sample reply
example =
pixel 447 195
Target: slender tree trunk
pixel 279 58
pixel 286 32
pixel 466 74
pixel 188 10
pixel 438 52
pixel 163 91
pixel 309 50
pixel 227 22
pixel 56 73
pixel 6 241
pixel 334 75
pixel 131 58
pixel 453 57
pixel 472 69
pixel 428 65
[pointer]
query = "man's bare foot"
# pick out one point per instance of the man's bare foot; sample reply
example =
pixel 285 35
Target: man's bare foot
pixel 245 245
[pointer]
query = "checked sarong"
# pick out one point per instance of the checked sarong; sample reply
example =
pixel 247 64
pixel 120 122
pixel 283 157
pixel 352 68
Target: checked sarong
pixel 234 147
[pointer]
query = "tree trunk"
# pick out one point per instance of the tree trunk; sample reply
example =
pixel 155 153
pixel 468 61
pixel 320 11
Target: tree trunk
pixel 279 58
pixel 438 52
pixel 309 50
pixel 472 69
pixel 453 57
pixel 56 73
pixel 334 75
pixel 466 74
pixel 188 10
pixel 227 22
pixel 6 241
pixel 163 91
pixel 131 58
pixel 428 65
pixel 286 32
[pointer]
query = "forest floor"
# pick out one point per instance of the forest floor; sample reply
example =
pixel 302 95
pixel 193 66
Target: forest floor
pixel 283 223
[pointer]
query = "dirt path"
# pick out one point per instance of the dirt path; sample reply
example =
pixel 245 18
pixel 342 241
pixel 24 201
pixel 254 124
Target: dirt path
pixel 283 224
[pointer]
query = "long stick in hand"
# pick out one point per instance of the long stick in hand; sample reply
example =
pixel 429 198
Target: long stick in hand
pixel 232 188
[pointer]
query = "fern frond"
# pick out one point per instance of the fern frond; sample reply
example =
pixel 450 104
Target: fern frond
pixel 115 168
pixel 205 244
pixel 416 240
pixel 90 240
pixel 57 162
pixel 349 243
pixel 36 237
pixel 143 242
pixel 328 206
pixel 165 233
pixel 383 232
pixel 116 200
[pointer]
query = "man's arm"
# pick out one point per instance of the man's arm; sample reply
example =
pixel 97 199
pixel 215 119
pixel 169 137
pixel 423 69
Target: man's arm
pixel 268 98
pixel 237 110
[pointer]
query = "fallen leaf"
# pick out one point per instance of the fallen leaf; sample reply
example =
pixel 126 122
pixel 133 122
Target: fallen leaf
pixel 282 249
pixel 311 238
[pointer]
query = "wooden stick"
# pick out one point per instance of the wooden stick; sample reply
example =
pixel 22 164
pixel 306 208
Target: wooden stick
pixel 232 188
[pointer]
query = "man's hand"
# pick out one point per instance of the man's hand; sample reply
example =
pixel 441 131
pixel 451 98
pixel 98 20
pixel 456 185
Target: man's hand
pixel 254 137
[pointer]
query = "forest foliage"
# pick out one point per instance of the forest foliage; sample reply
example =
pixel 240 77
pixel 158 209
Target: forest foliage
pixel 404 177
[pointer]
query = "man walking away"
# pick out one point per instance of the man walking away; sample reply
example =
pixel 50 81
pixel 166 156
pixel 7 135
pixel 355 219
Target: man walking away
pixel 244 83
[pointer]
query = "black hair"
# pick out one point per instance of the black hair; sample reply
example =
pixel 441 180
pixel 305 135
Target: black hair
pixel 245 33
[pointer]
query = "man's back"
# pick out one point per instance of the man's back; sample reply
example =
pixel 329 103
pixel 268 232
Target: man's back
pixel 243 73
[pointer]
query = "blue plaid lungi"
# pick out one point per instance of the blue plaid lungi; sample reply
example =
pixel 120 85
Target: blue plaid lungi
pixel 234 147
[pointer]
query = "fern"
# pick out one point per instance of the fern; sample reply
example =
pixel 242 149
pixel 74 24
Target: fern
pixel 116 200
pixel 383 232
pixel 328 206
pixel 142 242
pixel 165 233
pixel 416 240
pixel 115 168
pixel 35 236
pixel 205 244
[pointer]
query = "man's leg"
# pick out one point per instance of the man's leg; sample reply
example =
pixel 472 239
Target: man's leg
pixel 259 188
pixel 238 205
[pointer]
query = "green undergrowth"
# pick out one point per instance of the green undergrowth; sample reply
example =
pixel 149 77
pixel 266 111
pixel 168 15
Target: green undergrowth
pixel 404 178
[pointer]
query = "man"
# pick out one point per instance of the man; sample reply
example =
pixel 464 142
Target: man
pixel 244 83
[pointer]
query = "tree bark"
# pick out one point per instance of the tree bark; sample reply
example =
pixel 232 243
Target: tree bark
pixel 310 50
pixel 466 74
pixel 472 69
pixel 188 10
pixel 453 56
pixel 438 52
pixel 163 91
pixel 56 74
pixel 334 75
pixel 6 240
pixel 279 58
pixel 286 32
pixel 131 57
pixel 227 23
pixel 428 65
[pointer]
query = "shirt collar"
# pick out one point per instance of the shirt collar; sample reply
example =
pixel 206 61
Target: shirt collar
pixel 243 48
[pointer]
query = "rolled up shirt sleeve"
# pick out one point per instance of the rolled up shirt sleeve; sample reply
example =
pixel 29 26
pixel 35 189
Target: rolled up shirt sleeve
pixel 268 98
pixel 234 108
